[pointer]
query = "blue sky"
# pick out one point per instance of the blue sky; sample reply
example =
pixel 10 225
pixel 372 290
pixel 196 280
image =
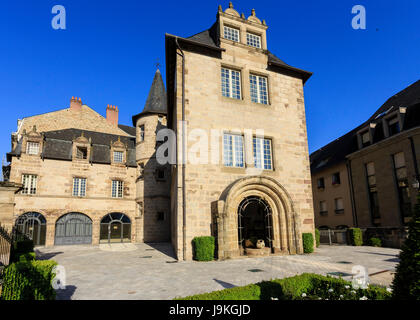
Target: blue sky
pixel 107 54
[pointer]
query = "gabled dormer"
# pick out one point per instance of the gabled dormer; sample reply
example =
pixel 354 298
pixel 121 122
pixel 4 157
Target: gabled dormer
pixel 32 142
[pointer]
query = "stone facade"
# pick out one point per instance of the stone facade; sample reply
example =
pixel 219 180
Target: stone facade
pixel 287 187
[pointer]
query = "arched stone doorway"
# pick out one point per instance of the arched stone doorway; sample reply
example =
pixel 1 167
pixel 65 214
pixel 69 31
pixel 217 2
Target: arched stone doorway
pixel 286 234
pixel 115 227
pixel 254 223
pixel 34 226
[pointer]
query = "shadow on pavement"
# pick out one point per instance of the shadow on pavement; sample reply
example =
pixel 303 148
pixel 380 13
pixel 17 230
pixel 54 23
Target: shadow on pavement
pixel 225 285
pixel 65 294
pixel 165 248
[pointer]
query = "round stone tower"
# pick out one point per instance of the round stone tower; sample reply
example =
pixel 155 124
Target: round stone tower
pixel 153 179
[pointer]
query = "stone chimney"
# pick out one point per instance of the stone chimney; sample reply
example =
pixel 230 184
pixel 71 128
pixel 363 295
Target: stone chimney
pixel 75 104
pixel 112 115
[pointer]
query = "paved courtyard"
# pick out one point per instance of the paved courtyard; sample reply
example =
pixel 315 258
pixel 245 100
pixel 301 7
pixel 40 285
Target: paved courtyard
pixel 150 272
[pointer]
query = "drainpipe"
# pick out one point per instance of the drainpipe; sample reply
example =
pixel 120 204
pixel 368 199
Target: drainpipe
pixel 353 205
pixel 184 208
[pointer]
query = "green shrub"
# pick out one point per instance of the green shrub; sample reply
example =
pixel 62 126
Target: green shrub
pixel 406 283
pixel 29 280
pixel 375 242
pixel 317 237
pixel 313 286
pixel 19 248
pixel 356 237
pixel 31 256
pixel 308 242
pixel 203 248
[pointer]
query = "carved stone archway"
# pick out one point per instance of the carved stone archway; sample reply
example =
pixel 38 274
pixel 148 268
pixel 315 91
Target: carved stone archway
pixel 286 222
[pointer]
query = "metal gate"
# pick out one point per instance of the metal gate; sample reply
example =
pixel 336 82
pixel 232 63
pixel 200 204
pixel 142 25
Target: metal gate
pixel 33 226
pixel 73 228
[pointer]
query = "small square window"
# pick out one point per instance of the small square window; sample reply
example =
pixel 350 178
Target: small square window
pixel 393 126
pixel 336 178
pixel 81 153
pixel 231 34
pixel 160 174
pixel 141 128
pixel 365 138
pixel 161 216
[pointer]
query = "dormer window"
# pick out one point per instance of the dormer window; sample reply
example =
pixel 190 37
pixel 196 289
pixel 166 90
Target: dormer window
pixel 231 34
pixel 81 153
pixel 253 40
pixel 365 139
pixel 32 148
pixel 118 157
pixel 393 126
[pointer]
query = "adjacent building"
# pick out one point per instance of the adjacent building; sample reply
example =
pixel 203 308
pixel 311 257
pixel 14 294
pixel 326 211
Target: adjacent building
pixel 369 177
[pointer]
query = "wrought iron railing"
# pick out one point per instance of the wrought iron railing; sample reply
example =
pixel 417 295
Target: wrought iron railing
pixel 6 240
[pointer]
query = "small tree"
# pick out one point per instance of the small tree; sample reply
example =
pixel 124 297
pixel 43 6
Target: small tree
pixel 406 284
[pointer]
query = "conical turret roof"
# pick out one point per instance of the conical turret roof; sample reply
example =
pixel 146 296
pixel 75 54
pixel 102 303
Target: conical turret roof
pixel 156 100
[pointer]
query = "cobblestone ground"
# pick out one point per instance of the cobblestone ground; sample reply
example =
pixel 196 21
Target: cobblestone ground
pixel 150 272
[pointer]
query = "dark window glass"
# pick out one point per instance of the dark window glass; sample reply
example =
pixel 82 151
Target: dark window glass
pixel 321 183
pixel 393 126
pixel 161 216
pixel 336 178
pixel 81 153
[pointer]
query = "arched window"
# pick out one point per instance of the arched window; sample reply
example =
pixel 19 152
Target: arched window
pixel 34 226
pixel 115 227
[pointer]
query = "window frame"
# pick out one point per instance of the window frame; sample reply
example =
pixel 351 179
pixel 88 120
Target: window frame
pixel 258 88
pixel 338 180
pixel 262 152
pixel 78 192
pixel 31 187
pixel 234 150
pixel 225 27
pixel 337 210
pixel 320 185
pixel 118 152
pixel 118 188
pixel 142 132
pixel 28 147
pixel 249 38
pixel 230 83
pixel 323 212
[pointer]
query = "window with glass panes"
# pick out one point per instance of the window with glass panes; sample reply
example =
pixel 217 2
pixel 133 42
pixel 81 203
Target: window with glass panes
pixel 262 154
pixel 233 150
pixel 231 33
pixel 373 191
pixel 79 187
pixel 400 170
pixel 339 205
pixel 29 182
pixel 231 83
pixel 118 156
pixel 258 87
pixel 117 189
pixel 253 40
pixel 32 148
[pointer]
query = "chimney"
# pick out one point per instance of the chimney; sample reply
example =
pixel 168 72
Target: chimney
pixel 112 115
pixel 75 104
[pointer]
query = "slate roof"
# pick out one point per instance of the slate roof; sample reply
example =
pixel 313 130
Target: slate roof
pixel 130 130
pixel 337 150
pixel 59 144
pixel 156 101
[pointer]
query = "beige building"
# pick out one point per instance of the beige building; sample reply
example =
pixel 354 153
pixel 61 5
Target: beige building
pixel 87 179
pixel 373 169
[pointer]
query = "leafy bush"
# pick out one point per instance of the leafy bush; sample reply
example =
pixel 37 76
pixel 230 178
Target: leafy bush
pixel 29 280
pixel 406 283
pixel 356 237
pixel 317 237
pixel 203 248
pixel 308 242
pixel 31 256
pixel 375 242
pixel 307 286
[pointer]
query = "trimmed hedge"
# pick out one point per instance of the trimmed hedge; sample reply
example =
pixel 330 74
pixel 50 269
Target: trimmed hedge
pixel 317 237
pixel 21 247
pixel 293 288
pixel 375 242
pixel 29 280
pixel 203 248
pixel 355 236
pixel 308 242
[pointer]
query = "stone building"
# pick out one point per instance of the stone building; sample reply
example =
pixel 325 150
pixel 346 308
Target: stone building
pixel 87 179
pixel 369 177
